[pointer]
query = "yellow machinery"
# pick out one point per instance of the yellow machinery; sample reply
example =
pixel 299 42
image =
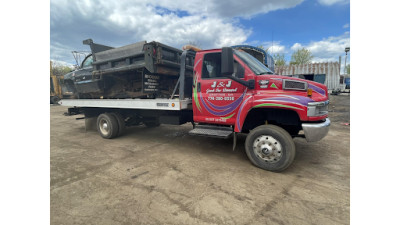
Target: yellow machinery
pixel 55 87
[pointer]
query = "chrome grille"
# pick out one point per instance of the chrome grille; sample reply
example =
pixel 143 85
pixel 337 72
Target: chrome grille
pixel 295 85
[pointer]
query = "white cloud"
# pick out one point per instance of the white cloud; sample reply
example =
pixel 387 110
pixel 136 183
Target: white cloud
pixel 332 2
pixel 346 26
pixel 274 48
pixel 226 8
pixel 173 22
pixel 296 46
pixel 328 49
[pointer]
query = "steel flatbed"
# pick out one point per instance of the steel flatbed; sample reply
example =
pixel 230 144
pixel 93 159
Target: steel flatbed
pixel 151 104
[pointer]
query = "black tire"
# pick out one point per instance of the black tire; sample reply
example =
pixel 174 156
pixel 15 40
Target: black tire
pixel 270 148
pixel 121 123
pixel 54 99
pixel 107 125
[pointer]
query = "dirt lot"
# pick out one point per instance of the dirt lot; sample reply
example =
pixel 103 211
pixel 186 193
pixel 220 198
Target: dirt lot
pixel 164 176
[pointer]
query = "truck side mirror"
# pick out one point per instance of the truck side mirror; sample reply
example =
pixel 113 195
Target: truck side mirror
pixel 252 84
pixel 227 61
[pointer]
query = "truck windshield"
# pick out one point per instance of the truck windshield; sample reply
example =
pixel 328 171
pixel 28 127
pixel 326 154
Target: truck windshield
pixel 255 65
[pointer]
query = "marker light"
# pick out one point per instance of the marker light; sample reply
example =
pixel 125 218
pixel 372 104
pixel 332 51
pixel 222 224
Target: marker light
pixel 309 92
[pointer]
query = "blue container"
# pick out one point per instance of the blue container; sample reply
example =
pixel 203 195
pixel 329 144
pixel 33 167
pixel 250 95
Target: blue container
pixel 347 82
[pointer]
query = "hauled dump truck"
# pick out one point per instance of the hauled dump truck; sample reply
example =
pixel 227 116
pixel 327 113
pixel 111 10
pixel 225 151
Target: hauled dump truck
pixel 222 92
pixel 127 72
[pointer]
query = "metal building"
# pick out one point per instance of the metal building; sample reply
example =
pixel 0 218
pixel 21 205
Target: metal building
pixel 326 73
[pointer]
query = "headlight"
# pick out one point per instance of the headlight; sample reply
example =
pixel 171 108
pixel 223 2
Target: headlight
pixel 317 108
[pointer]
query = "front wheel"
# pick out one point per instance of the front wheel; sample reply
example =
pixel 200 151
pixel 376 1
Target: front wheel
pixel 270 148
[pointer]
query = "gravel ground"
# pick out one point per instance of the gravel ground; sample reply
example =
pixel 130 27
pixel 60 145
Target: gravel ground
pixel 164 176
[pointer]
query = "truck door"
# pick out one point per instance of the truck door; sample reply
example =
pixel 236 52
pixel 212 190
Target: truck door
pixel 83 79
pixel 217 98
pixel 85 72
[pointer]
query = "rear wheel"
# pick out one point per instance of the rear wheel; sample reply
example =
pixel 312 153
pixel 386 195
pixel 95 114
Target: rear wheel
pixel 107 125
pixel 121 122
pixel 270 147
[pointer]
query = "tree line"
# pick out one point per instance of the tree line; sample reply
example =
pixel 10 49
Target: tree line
pixel 301 56
pixel 58 69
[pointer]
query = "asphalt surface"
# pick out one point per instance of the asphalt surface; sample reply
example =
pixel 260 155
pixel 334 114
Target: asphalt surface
pixel 164 176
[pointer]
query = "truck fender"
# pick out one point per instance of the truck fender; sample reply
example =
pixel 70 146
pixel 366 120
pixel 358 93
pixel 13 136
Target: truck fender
pixel 244 109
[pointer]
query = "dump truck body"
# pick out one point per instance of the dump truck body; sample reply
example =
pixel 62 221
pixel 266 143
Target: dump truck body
pixel 131 71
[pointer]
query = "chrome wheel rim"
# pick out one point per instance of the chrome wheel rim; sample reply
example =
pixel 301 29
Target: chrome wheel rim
pixel 267 148
pixel 104 127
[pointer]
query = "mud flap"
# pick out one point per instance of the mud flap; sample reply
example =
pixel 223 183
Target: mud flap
pixel 234 140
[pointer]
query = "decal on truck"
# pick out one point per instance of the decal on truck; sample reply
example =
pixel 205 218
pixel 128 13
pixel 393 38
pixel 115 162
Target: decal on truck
pixel 226 109
pixel 279 100
pixel 195 95
pixel 221 87
pixel 317 89
pixel 274 104
pixel 273 86
pixel 228 117
pixel 298 100
pixel 237 125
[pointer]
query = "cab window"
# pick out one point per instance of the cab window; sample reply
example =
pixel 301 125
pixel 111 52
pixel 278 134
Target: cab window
pixel 212 67
pixel 238 70
pixel 88 62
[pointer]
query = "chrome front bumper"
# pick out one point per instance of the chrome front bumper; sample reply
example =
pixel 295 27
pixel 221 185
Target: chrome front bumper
pixel 316 131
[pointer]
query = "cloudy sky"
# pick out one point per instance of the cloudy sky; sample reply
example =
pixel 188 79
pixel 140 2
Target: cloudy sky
pixel 282 26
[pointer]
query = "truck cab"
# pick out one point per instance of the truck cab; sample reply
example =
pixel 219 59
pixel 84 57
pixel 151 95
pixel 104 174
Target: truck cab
pixel 232 88
pixel 77 79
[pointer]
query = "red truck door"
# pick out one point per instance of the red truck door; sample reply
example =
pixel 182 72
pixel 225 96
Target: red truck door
pixel 216 99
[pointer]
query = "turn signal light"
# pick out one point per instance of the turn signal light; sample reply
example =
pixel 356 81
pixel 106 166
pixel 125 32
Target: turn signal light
pixel 309 92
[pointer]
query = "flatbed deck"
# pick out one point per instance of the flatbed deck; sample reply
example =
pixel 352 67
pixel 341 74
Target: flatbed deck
pixel 153 104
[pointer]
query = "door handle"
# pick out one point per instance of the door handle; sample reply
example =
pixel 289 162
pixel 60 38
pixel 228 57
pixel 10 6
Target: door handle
pixel 198 87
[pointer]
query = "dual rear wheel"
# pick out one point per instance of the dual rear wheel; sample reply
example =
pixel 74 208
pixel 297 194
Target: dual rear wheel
pixel 110 125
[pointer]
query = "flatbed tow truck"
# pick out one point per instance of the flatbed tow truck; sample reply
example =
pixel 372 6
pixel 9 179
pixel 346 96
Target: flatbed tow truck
pixel 225 92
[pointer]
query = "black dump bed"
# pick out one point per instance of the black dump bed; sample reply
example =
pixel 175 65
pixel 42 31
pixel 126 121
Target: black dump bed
pixel 139 70
pixel 154 56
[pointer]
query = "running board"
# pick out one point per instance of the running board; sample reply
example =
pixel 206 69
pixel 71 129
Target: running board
pixel 212 131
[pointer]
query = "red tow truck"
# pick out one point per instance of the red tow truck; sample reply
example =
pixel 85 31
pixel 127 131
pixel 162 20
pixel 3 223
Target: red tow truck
pixel 228 92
